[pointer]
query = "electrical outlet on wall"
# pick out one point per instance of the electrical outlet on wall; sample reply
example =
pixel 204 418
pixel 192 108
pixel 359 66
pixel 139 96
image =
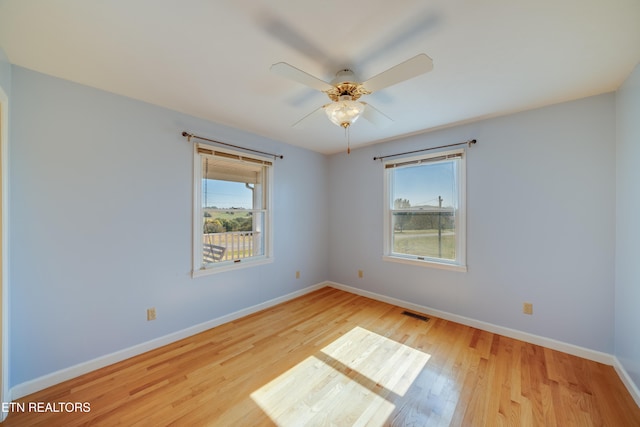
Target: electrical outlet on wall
pixel 527 308
pixel 151 313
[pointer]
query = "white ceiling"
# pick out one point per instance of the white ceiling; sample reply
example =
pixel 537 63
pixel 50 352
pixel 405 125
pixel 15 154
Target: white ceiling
pixel 211 58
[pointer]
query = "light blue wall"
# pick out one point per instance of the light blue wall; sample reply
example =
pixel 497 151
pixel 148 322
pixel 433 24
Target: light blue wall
pixel 5 87
pixel 101 202
pixel 627 293
pixel 541 211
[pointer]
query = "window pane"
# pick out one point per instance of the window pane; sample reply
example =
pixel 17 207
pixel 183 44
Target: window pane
pixel 226 194
pixel 425 234
pixel 424 202
pixel 216 221
pixel 232 235
pixel 233 214
pixel 423 185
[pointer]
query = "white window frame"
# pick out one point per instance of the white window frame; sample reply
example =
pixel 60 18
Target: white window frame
pixel 198 269
pixel 461 230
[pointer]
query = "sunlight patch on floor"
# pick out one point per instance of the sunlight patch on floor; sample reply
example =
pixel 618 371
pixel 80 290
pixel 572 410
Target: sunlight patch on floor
pixel 352 381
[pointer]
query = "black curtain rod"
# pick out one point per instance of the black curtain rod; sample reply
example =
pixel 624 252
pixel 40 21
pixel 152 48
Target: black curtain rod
pixel 190 135
pixel 469 143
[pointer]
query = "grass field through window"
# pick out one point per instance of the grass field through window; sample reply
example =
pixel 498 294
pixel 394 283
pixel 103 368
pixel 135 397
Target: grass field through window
pixel 425 243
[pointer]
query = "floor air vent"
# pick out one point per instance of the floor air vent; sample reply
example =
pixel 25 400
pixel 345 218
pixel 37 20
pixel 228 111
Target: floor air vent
pixel 416 316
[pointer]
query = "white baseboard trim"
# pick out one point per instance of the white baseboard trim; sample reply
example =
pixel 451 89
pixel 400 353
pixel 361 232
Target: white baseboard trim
pixel 626 379
pixel 575 350
pixel 24 389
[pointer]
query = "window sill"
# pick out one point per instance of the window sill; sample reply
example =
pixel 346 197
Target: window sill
pixel 230 267
pixel 425 263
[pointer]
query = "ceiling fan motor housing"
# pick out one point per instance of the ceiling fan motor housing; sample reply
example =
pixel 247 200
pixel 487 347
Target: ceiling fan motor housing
pixel 345 84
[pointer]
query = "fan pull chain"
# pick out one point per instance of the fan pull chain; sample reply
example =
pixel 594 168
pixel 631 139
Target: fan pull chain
pixel 347 134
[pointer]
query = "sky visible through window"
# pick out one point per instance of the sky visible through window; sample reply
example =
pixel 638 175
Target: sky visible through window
pixel 226 194
pixel 422 184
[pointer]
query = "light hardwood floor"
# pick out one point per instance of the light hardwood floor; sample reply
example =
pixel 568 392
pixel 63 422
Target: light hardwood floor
pixel 334 358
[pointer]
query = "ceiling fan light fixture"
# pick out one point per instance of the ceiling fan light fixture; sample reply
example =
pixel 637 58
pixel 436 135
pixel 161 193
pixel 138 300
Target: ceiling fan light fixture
pixel 344 112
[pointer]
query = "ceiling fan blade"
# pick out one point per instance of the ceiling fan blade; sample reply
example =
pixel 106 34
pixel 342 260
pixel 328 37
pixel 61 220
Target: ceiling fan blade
pixel 317 112
pixel 406 70
pixel 290 36
pixel 290 72
pixel 376 116
pixel 419 24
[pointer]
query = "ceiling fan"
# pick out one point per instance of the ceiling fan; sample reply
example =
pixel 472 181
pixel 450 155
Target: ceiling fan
pixel 345 90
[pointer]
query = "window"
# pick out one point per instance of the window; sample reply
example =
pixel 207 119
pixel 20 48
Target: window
pixel 232 210
pixel 425 210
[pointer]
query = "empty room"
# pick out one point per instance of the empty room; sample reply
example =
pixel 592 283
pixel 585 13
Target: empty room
pixel 305 213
